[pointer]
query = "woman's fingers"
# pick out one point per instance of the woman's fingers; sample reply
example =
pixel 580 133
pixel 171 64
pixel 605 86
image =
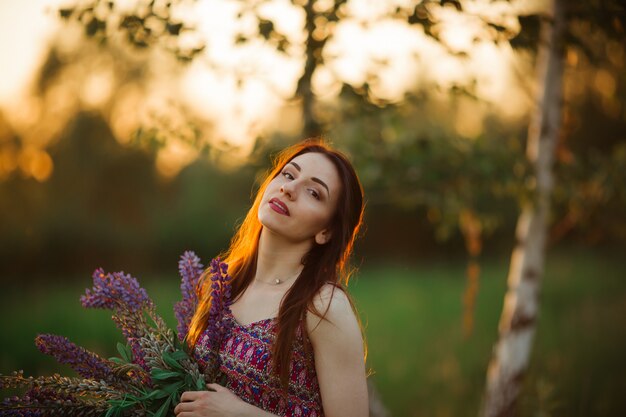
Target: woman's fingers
pixel 182 407
pixel 190 396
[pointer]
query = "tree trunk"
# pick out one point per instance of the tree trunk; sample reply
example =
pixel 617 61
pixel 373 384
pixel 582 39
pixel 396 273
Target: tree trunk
pixel 311 127
pixel 521 303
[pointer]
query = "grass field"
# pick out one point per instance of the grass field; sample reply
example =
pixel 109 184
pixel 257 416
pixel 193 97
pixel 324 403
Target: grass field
pixel 423 366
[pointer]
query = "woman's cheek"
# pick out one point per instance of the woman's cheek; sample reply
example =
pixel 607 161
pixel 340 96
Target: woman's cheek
pixel 318 222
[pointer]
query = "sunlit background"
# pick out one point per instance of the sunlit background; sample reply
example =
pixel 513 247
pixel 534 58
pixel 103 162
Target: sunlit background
pixel 240 91
pixel 123 144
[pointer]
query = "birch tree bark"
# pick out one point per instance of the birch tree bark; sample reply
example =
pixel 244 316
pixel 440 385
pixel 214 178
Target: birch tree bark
pixel 314 47
pixel 521 303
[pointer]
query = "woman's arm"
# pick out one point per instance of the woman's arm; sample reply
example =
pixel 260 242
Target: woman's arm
pixel 219 403
pixel 339 364
pixel 339 356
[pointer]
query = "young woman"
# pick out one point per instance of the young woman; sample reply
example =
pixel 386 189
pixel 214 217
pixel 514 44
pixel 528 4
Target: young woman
pixel 295 345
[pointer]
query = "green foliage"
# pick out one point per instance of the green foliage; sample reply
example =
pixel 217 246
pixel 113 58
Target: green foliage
pixel 107 198
pixel 421 14
pixel 591 192
pixel 408 160
pixel 528 36
pixel 125 353
pixel 167 384
pixel 405 159
pixel 147 24
pixel 412 315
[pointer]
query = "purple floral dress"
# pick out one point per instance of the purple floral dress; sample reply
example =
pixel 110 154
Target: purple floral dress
pixel 246 363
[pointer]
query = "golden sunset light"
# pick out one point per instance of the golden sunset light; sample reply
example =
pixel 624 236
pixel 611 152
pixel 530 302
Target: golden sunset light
pixel 239 90
pixel 441 182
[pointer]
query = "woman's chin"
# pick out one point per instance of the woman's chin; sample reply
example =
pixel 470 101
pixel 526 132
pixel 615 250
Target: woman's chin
pixel 273 226
pixel 268 217
pixel 278 231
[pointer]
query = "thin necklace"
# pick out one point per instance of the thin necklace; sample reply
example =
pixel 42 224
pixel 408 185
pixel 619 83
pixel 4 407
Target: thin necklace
pixel 278 281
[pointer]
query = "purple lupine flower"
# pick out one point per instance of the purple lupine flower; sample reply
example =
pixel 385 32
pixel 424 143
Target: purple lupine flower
pixel 36 402
pixel 183 313
pixel 190 270
pixel 44 396
pixel 216 302
pixel 216 325
pixel 131 324
pixel 86 364
pixel 225 283
pixel 45 401
pixel 138 353
pixel 20 407
pixel 123 294
pixel 115 291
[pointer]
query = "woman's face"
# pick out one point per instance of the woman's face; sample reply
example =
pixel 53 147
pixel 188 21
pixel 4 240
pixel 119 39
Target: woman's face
pixel 301 201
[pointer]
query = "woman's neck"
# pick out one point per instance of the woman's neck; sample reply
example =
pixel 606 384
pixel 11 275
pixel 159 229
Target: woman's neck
pixel 278 257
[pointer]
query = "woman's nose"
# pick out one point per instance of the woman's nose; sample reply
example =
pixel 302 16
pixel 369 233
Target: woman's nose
pixel 288 189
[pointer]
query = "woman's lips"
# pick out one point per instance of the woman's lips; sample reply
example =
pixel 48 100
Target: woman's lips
pixel 279 206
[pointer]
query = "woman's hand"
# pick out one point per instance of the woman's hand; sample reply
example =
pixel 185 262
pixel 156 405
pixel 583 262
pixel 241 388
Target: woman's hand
pixel 219 403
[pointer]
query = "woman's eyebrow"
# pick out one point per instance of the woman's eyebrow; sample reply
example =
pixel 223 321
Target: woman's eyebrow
pixel 321 182
pixel 317 180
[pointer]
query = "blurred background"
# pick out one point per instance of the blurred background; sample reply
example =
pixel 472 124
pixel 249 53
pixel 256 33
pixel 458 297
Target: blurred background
pixel 131 131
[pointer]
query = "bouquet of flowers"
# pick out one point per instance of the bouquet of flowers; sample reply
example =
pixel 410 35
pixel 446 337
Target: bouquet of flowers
pixel 155 366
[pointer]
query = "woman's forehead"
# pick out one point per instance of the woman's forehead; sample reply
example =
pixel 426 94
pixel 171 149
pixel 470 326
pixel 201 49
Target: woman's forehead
pixel 316 164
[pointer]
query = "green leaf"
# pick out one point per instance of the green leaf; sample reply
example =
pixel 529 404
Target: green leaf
pixel 169 359
pixel 114 411
pixel 200 384
pixel 163 374
pixel 162 411
pixel 125 352
pixel 126 402
pixel 179 355
pixel 158 394
pixel 172 388
pixel 148 396
pixel 177 344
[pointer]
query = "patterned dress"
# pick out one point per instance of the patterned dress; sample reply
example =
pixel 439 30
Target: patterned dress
pixel 246 362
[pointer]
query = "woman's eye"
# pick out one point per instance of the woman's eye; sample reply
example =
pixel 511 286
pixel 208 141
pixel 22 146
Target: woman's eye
pixel 315 194
pixel 285 175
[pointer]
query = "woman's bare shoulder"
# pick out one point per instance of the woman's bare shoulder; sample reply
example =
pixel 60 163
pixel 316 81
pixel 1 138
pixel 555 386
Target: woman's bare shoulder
pixel 334 305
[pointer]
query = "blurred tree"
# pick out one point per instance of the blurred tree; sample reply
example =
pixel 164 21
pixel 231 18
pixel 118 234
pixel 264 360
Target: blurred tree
pixel 83 181
pixel 408 153
pixel 521 303
pixel 150 22
pixel 558 38
pixel 462 184
pixel 144 24
pixel 578 202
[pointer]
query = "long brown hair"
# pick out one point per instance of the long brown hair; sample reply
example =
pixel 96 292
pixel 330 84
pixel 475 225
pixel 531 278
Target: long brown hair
pixel 323 264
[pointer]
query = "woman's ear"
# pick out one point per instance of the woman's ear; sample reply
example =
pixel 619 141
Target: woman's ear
pixel 323 237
